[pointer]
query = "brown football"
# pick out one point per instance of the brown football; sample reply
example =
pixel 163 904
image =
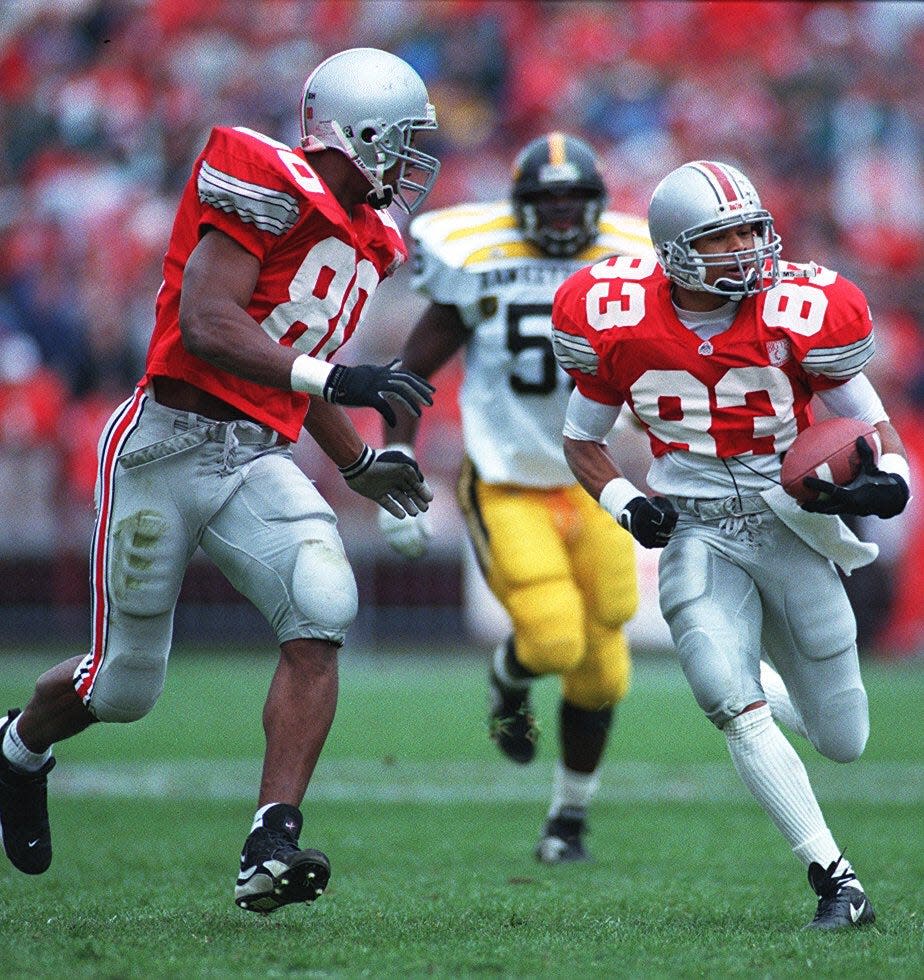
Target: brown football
pixel 827 450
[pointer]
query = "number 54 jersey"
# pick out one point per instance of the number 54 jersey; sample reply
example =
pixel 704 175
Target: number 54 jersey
pixel 732 403
pixel 514 395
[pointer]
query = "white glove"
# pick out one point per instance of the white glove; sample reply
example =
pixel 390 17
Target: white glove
pixel 391 478
pixel 409 536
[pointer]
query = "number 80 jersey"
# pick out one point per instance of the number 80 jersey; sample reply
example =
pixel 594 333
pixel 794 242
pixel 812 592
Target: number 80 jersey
pixel 743 393
pixel 513 396
pixel 318 264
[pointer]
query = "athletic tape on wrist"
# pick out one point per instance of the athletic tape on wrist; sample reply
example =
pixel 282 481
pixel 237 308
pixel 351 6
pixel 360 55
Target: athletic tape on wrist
pixel 894 463
pixel 616 494
pixel 309 374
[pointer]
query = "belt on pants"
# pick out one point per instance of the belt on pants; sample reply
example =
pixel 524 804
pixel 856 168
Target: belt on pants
pixel 199 430
pixel 712 509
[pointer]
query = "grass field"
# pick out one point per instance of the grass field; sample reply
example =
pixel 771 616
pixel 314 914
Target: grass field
pixel 430 834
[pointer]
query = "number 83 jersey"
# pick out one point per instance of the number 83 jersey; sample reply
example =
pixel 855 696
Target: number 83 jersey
pixel 743 394
pixel 514 395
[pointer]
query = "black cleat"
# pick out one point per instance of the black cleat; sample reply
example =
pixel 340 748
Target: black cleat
pixel 562 840
pixel 24 826
pixel 274 872
pixel 840 904
pixel 512 724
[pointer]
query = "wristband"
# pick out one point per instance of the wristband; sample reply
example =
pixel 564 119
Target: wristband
pixel 359 465
pixel 309 374
pixel 897 464
pixel 616 494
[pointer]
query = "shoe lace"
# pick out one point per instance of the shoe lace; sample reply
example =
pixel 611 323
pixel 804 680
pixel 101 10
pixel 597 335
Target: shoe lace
pixel 273 845
pixel 826 883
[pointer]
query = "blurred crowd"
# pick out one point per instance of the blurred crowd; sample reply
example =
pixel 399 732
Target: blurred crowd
pixel 104 105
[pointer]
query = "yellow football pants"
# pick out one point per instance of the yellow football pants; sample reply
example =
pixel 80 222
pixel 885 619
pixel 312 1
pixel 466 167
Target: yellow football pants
pixel 565 572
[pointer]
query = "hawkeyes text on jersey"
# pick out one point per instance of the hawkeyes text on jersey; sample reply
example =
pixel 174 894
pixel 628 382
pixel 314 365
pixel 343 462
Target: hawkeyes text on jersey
pixel 514 395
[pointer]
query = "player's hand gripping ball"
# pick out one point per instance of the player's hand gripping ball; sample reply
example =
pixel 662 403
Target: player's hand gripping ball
pixel 827 451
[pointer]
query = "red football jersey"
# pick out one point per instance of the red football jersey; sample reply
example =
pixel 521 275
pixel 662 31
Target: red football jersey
pixel 319 265
pixel 746 390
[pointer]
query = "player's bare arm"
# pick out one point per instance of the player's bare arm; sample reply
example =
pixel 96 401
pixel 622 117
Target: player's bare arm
pixel 218 283
pixel 591 464
pixel 331 428
pixel 437 335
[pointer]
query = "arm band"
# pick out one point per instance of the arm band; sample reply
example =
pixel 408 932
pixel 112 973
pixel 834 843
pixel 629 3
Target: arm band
pixel 587 420
pixel 309 374
pixel 855 399
pixel 616 494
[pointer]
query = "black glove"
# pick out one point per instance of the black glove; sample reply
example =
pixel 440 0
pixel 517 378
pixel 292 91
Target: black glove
pixel 390 478
pixel 650 520
pixel 871 493
pixel 372 386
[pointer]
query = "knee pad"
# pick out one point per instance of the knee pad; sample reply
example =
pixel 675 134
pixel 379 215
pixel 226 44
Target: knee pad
pixel 140 576
pixel 324 588
pixel 548 623
pixel 840 726
pixel 128 685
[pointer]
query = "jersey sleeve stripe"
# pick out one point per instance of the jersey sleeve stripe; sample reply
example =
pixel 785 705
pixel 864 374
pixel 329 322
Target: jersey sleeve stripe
pixel 840 362
pixel 574 353
pixel 267 209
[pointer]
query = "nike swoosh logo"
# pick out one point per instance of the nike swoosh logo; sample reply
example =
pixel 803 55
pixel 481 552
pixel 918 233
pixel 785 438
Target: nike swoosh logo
pixel 32 843
pixel 247 873
pixel 857 910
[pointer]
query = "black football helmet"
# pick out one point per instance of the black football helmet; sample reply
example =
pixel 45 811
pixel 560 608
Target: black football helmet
pixel 558 193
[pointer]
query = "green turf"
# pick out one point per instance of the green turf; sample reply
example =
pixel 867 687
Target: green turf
pixel 430 836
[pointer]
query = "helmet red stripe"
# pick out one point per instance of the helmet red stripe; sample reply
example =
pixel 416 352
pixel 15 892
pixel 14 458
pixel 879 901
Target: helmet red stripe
pixel 723 180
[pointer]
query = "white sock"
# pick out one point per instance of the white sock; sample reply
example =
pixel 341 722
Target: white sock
pixel 781 706
pixel 16 752
pixel 572 789
pixel 503 675
pixel 772 770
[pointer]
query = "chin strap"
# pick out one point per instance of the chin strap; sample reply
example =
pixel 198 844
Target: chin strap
pixel 380 199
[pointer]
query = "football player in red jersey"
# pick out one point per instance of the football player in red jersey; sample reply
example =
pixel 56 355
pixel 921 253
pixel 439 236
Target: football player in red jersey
pixel 718 349
pixel 272 259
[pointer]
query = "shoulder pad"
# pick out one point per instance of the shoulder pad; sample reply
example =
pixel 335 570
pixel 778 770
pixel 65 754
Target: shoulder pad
pixel 462 236
pixel 841 343
pixel 454 243
pixel 620 234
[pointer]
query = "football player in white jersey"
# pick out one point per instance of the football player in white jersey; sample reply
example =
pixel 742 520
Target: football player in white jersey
pixel 559 565
pixel 718 349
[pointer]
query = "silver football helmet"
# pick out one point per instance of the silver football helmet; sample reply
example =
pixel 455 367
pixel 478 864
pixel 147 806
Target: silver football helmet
pixel 698 199
pixel 369 104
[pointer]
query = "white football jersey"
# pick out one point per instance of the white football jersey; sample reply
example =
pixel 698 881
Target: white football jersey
pixel 514 395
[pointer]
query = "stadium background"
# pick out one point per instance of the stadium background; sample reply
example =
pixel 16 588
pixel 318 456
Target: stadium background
pixel 104 106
